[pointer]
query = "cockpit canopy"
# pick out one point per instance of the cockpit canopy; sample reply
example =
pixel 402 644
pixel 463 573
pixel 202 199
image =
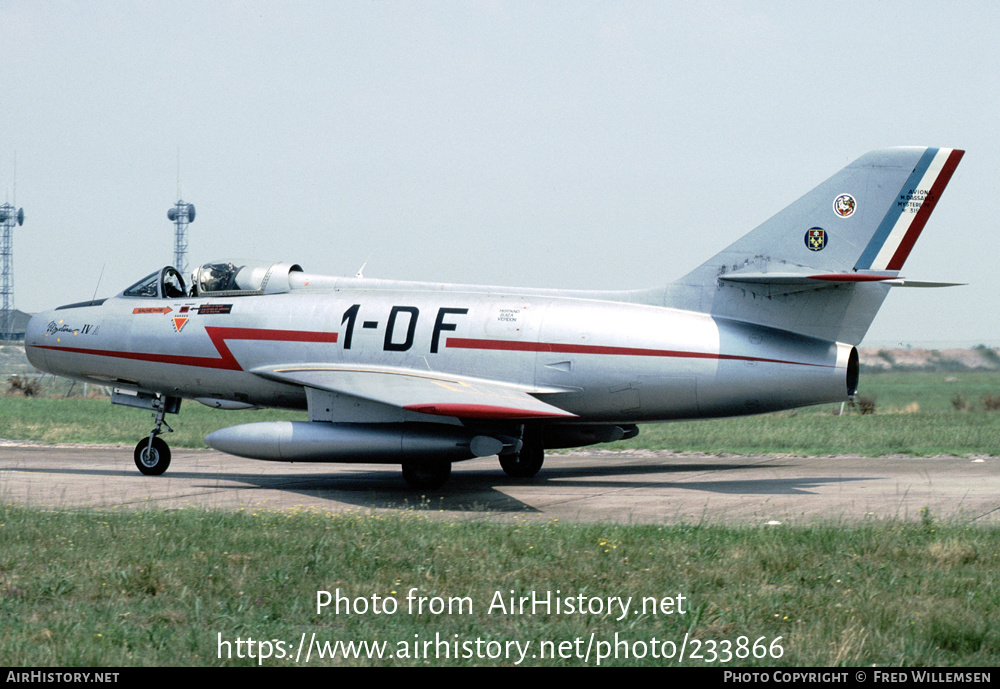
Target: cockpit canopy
pixel 217 278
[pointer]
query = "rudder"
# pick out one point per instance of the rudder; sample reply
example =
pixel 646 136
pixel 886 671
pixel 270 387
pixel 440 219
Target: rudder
pixel 902 225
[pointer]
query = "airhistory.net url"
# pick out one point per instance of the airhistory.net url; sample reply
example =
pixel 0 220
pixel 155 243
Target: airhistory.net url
pixel 585 649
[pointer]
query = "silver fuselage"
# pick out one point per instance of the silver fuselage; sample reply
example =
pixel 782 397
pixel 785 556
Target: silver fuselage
pixel 601 357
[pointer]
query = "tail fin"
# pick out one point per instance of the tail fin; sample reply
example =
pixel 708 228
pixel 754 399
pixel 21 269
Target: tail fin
pixel 824 264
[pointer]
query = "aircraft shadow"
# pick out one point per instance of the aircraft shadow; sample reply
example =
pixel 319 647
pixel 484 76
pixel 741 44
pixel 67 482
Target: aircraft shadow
pixel 484 490
pixel 481 490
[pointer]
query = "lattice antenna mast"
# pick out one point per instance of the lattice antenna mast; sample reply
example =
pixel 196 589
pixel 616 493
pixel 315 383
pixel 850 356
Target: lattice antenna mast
pixel 9 216
pixel 181 215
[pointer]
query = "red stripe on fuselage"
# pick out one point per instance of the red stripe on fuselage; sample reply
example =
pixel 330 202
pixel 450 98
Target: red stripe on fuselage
pixel 228 362
pixel 218 336
pixel 560 348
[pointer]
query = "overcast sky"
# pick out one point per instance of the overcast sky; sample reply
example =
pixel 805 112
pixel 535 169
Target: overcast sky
pixel 585 145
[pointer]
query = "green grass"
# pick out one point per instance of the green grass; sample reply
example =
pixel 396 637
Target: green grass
pixel 811 433
pixel 914 415
pixel 96 420
pixel 158 588
pixel 930 391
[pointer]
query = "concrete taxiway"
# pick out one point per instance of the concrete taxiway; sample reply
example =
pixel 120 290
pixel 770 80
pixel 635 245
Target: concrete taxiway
pixel 594 486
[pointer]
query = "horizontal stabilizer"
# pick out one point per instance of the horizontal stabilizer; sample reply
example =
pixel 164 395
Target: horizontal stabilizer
pixel 427 392
pixel 812 278
pixel 819 280
pixel 900 282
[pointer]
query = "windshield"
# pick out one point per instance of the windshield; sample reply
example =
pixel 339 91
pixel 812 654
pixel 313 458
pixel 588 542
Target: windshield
pixel 166 283
pixel 147 287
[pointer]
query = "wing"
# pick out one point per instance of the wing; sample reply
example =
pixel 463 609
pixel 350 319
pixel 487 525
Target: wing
pixel 427 392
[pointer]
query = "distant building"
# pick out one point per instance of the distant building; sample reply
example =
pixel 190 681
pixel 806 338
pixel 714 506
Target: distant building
pixel 18 326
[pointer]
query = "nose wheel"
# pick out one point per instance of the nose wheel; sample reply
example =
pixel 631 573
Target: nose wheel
pixel 152 454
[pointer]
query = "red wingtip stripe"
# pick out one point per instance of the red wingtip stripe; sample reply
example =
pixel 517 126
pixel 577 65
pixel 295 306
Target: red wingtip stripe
pixel 851 277
pixel 483 411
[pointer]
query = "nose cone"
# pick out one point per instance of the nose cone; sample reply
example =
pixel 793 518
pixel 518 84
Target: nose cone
pixel 34 337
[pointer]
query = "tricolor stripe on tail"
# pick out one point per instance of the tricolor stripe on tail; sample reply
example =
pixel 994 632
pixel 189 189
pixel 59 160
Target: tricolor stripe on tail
pixel 900 228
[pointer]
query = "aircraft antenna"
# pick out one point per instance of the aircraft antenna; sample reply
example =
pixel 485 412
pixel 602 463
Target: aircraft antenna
pixel 361 270
pixel 99 281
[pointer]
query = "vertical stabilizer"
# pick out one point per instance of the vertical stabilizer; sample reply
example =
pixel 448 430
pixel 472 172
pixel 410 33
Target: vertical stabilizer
pixel 822 266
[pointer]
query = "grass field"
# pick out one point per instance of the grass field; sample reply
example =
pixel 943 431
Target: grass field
pixel 914 413
pixel 116 588
pixel 164 588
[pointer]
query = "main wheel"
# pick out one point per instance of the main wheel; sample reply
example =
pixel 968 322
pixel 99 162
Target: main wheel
pixel 525 463
pixel 154 460
pixel 426 475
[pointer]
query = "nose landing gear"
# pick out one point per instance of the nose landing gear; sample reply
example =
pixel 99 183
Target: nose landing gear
pixel 152 455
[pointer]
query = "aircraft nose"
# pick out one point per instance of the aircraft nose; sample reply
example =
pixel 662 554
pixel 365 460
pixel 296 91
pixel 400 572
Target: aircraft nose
pixel 33 338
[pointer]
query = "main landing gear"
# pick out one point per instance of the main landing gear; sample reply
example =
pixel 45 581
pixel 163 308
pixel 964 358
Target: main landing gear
pixel 528 460
pixel 523 462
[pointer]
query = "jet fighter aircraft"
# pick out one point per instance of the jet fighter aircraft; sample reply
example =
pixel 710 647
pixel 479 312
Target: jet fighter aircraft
pixel 427 374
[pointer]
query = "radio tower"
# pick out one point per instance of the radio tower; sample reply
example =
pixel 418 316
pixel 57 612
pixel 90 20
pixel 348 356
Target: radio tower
pixel 9 216
pixel 181 215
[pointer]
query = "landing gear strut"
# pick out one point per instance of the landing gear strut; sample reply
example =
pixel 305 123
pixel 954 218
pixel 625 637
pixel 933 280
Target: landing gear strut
pixel 152 456
pixel 528 461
